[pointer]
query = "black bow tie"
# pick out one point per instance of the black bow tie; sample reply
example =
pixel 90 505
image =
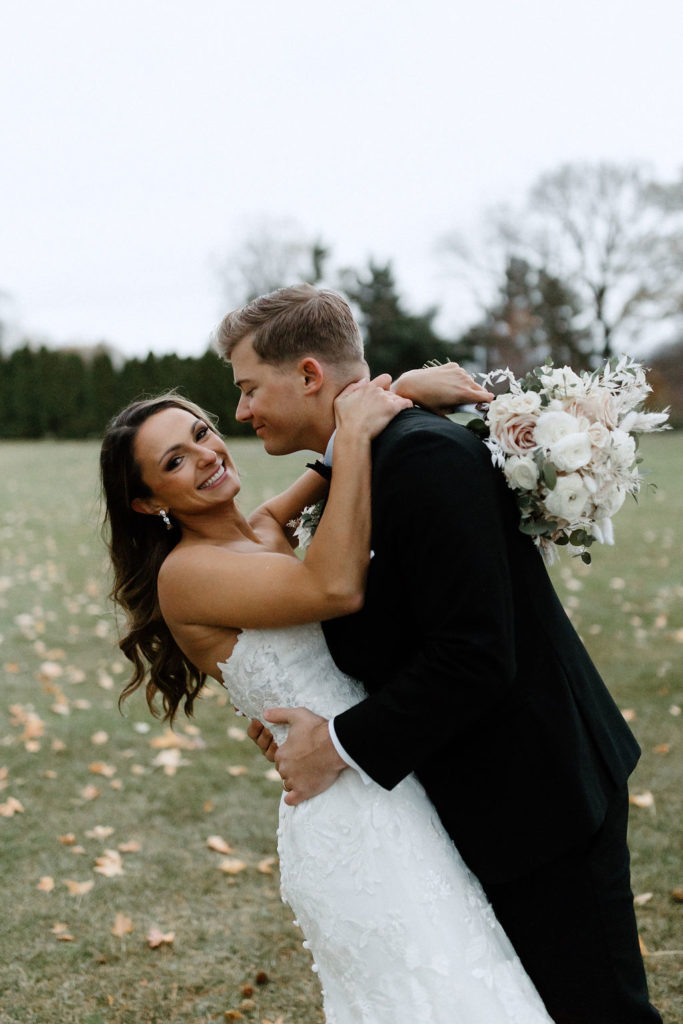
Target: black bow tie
pixel 320 467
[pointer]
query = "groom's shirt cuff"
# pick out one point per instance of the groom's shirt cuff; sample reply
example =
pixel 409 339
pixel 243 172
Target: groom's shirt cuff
pixel 344 756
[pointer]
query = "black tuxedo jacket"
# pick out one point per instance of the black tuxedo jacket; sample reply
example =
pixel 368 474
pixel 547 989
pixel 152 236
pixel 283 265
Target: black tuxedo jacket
pixel 476 679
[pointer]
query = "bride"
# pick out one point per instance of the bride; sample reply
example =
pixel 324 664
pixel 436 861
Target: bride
pixel 398 927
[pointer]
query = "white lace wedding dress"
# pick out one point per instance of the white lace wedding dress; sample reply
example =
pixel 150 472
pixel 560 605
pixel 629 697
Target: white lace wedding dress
pixel 399 928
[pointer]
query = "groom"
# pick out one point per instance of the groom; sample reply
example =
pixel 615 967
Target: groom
pixel 476 680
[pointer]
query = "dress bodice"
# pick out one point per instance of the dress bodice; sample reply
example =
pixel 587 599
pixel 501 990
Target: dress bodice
pixel 287 667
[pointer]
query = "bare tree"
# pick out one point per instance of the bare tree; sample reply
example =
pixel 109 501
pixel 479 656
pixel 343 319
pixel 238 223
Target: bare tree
pixel 272 253
pixel 612 234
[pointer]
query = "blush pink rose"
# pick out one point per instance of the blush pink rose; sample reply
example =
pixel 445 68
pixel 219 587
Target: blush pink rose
pixel 516 435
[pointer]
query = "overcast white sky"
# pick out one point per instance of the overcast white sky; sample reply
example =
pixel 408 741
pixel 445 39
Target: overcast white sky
pixel 141 139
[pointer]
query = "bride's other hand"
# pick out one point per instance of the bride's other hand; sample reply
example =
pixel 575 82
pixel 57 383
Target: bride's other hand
pixel 366 407
pixel 263 739
pixel 441 388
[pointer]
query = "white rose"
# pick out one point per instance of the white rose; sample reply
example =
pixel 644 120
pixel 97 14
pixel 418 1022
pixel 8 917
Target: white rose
pixel 571 452
pixel 568 498
pixel 562 378
pixel 599 434
pixel 554 425
pixel 623 448
pixel 527 403
pixel 608 502
pixel 521 472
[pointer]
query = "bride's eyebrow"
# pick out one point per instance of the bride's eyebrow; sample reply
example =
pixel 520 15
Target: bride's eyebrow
pixel 176 447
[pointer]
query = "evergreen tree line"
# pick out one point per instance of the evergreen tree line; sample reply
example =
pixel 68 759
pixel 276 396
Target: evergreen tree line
pixel 63 394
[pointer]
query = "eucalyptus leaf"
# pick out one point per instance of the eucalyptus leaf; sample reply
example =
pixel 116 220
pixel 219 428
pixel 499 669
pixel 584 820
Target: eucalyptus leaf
pixel 478 427
pixel 549 474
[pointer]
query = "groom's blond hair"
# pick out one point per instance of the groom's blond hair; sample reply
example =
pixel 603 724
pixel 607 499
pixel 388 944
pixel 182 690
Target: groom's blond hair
pixel 293 322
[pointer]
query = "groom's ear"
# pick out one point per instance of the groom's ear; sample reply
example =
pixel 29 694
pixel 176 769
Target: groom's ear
pixel 311 374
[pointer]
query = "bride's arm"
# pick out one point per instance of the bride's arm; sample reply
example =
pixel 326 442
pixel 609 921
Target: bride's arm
pixel 440 388
pixel 274 516
pixel 215 586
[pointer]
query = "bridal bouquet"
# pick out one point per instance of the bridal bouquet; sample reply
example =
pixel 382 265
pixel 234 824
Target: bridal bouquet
pixel 567 444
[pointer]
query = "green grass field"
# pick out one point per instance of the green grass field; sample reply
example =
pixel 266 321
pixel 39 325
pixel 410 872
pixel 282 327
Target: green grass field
pixel 104 819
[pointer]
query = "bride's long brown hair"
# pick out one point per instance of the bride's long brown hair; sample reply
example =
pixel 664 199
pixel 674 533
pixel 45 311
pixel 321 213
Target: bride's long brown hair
pixel 138 545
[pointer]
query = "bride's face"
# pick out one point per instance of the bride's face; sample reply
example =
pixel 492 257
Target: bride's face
pixel 185 464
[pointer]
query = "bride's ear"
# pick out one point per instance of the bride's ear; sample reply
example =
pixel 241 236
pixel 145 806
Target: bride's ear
pixel 145 506
pixel 311 374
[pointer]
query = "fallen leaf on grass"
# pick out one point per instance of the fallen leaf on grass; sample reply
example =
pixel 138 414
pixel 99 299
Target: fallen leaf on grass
pixel 661 748
pixel 237 769
pixel 273 775
pixel 642 898
pixel 109 864
pixel 170 760
pixel 58 746
pixel 237 734
pixel 78 888
pixel 61 930
pixel 642 799
pixel 100 832
pixel 265 866
pixel 67 840
pixel 46 884
pixel 101 768
pixel 49 670
pixel 132 846
pixel 677 894
pixel 643 947
pixel 629 714
pixel 11 807
pixel 89 792
pixel 156 938
pixel 219 844
pixel 233 1015
pixel 231 866
pixel 99 737
pixel 122 926
pixel 103 678
pixel 172 740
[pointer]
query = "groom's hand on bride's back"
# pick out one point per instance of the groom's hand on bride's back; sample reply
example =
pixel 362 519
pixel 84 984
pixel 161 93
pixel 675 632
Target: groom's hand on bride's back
pixel 263 739
pixel 307 761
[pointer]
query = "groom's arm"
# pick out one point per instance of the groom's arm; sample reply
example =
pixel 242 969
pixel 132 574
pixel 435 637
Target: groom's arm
pixel 438 509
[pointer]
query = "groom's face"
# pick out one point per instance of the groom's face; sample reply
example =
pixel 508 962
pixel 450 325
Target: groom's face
pixel 272 400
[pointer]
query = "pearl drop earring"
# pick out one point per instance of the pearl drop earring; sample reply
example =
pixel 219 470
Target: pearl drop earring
pixel 167 522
